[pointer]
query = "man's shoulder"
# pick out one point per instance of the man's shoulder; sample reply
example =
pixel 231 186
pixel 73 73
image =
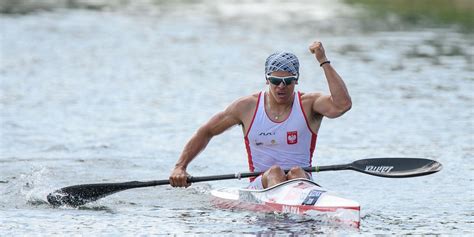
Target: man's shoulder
pixel 248 100
pixel 243 108
pixel 310 96
pixel 245 103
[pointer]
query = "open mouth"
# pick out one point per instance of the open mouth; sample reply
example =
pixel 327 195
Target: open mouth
pixel 281 94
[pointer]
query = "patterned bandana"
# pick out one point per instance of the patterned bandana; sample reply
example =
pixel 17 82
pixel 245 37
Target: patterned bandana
pixel 282 61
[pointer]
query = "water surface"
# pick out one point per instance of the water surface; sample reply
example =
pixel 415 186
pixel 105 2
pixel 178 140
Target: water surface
pixel 113 95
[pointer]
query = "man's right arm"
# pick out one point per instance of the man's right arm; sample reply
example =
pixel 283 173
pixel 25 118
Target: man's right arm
pixel 215 126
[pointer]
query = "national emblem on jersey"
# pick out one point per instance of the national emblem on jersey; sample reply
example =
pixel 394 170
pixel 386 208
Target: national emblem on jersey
pixel 292 137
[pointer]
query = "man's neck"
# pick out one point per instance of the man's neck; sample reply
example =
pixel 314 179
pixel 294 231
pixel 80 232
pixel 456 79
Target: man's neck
pixel 276 106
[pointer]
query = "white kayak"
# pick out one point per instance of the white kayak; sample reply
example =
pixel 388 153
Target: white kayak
pixel 297 196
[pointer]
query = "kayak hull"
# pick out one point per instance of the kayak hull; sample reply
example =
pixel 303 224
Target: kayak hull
pixel 297 196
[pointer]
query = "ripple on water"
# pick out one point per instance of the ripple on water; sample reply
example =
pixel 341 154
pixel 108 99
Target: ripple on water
pixel 83 102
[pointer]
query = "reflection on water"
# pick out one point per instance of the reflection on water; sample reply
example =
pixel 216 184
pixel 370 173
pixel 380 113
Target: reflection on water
pixel 388 14
pixel 112 95
pixel 428 13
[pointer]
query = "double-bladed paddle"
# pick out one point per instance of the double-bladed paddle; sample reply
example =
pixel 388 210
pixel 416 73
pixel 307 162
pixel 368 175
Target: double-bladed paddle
pixel 78 195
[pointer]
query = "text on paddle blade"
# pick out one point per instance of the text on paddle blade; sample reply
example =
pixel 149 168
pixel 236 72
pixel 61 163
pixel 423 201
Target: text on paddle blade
pixel 378 169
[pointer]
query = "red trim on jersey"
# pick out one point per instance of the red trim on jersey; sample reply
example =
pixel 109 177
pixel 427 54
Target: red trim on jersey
pixel 249 154
pixel 246 138
pixel 304 114
pixel 254 114
pixel 313 137
pixel 312 148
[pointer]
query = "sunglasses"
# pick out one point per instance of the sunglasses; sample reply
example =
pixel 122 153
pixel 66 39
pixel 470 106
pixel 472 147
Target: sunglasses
pixel 278 80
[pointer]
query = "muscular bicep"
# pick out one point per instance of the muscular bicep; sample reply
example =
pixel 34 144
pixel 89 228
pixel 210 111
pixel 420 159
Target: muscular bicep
pixel 324 105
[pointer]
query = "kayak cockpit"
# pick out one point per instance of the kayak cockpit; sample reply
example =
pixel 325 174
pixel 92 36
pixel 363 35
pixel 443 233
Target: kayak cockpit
pixel 297 196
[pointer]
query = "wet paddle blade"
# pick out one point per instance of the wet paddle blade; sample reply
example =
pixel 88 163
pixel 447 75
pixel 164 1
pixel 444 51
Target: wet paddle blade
pixel 396 167
pixel 78 195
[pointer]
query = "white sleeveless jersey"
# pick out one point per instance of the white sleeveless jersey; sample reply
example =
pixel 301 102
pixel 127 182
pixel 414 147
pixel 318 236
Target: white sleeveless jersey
pixel 287 144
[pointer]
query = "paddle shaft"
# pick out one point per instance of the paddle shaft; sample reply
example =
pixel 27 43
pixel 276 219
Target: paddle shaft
pixel 383 167
pixel 255 174
pixel 142 184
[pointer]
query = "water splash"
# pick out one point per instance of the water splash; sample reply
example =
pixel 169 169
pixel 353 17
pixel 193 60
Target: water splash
pixel 28 189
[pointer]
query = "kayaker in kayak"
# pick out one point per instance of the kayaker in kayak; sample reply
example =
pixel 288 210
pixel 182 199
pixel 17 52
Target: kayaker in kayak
pixel 280 125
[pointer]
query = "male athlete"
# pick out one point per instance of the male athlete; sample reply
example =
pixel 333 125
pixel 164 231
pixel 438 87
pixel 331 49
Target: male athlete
pixel 280 125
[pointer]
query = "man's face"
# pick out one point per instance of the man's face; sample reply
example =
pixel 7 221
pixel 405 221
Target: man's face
pixel 282 92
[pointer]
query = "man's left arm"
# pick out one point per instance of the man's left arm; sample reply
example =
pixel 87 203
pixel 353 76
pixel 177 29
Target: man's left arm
pixel 339 101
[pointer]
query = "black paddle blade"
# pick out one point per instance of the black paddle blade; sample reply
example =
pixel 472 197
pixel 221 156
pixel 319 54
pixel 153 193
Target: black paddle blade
pixel 397 167
pixel 78 195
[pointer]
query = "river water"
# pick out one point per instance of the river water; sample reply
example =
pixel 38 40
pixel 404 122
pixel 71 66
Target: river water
pixel 112 95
